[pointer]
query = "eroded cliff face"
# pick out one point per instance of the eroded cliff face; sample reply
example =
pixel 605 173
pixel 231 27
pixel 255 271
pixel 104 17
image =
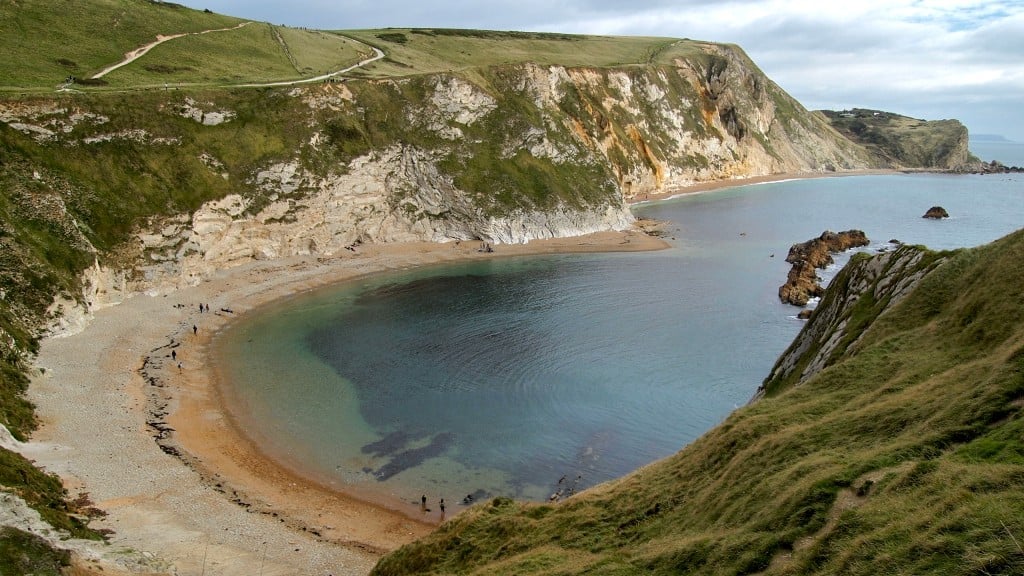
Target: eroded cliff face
pixel 629 133
pixel 660 128
pixel 521 152
pixel 323 215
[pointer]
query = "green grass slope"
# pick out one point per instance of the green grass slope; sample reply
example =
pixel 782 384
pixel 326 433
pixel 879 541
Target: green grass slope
pixel 905 457
pixel 46 41
pixel 427 51
pixel 49 40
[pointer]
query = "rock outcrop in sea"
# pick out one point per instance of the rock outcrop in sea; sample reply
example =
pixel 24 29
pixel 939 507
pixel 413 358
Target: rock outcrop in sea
pixel 936 213
pixel 802 284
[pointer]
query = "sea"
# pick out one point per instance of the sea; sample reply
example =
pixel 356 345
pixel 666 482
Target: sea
pixel 1008 152
pixel 536 377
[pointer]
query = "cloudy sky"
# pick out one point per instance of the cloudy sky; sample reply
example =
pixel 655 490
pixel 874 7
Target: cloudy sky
pixel 929 59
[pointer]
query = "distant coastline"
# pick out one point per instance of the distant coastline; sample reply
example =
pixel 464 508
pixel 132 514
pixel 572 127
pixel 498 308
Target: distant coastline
pixel 991 138
pixel 1002 150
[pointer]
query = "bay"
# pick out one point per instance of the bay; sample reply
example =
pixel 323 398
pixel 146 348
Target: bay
pixel 505 376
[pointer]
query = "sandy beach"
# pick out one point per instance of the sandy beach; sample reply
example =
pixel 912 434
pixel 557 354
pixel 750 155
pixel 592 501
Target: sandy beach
pixel 131 415
pixel 151 444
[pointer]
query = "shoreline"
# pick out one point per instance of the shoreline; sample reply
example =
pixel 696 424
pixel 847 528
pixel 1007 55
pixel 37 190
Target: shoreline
pixel 714 185
pixel 154 445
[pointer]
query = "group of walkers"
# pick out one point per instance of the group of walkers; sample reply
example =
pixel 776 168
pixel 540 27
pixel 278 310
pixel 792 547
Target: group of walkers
pixel 423 505
pixel 203 308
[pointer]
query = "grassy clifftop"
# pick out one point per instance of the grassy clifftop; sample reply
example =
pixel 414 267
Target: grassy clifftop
pixel 429 51
pixel 46 41
pixel 904 457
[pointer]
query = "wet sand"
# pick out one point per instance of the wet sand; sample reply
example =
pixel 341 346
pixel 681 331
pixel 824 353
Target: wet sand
pixel 153 446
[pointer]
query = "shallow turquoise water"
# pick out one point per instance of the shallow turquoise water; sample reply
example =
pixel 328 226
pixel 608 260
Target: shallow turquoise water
pixel 503 377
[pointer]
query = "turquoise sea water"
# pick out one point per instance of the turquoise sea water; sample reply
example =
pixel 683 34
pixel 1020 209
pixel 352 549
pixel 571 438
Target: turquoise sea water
pixel 503 377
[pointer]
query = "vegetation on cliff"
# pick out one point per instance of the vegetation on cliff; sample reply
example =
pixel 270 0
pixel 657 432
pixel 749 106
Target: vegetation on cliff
pixel 902 142
pixel 84 172
pixel 495 124
pixel 903 455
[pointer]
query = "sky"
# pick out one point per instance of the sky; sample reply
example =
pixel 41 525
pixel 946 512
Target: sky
pixel 928 59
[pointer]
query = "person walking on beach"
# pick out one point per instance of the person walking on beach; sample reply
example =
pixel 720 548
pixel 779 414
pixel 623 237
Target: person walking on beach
pixel 194 330
pixel 423 502
pixel 442 506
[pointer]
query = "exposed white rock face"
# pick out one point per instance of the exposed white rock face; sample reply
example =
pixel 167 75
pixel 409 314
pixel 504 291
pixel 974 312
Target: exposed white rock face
pixel 672 139
pixel 459 101
pixel 283 177
pixel 45 120
pixel 396 195
pixel 195 111
pixel 453 103
pixel 331 97
pixel 650 129
pixel 135 135
pixel 546 84
pixel 215 165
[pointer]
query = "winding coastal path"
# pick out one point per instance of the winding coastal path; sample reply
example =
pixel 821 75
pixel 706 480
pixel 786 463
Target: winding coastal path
pixel 141 51
pixel 377 55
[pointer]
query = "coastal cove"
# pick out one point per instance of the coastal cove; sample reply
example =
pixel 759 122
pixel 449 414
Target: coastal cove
pixel 282 299
pixel 527 378
pixel 206 496
pixel 240 511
